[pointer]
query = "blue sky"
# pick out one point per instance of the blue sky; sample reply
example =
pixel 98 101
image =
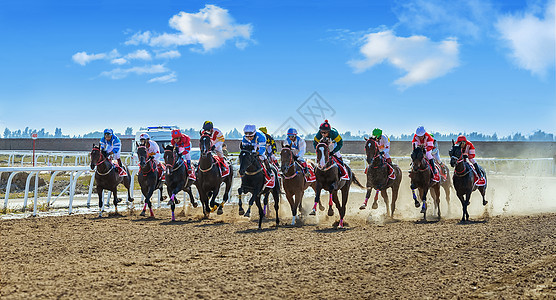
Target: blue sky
pixel 485 66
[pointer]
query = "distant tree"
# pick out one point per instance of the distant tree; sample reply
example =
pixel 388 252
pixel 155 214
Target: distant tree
pixel 129 131
pixel 7 133
pixel 58 132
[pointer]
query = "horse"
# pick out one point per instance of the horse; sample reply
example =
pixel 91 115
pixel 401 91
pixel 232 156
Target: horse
pixel 421 175
pixel 209 177
pixel 253 180
pixel 378 177
pixel 148 178
pixel 463 179
pixel 108 178
pixel 294 180
pixel 177 178
pixel 329 179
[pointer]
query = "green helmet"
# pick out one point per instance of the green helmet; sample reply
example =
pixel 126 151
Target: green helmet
pixel 377 132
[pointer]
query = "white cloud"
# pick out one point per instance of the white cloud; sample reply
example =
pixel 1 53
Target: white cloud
pixel 531 39
pixel 83 58
pixel 139 38
pixel 420 57
pixel 139 54
pixel 210 28
pixel 119 61
pixel 164 79
pixel 168 54
pixel 119 73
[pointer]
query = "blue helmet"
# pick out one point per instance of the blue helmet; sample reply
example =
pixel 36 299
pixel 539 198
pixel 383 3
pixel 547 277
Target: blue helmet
pixel 292 131
pixel 109 131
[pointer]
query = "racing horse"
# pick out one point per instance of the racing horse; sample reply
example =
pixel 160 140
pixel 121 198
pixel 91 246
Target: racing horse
pixel 421 175
pixel 209 177
pixel 108 178
pixel 464 179
pixel 329 178
pixel 381 177
pixel 253 181
pixel 177 178
pixel 294 180
pixel 148 178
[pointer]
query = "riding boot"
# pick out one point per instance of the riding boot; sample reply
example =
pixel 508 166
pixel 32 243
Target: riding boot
pixel 305 168
pixel 120 162
pixel 389 160
pixel 190 170
pixel 476 165
pixel 433 166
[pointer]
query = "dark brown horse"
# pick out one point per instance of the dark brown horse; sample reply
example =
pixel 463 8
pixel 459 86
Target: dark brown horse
pixel 148 178
pixel 107 177
pixel 421 175
pixel 464 181
pixel 294 180
pixel 378 177
pixel 176 178
pixel 209 177
pixel 329 178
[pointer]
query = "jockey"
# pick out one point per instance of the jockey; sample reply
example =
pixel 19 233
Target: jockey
pixel 383 144
pixel 216 142
pixel 298 147
pixel 111 144
pixel 421 137
pixel 325 130
pixel 270 145
pixel 183 142
pixel 255 139
pixel 468 151
pixel 216 138
pixel 152 147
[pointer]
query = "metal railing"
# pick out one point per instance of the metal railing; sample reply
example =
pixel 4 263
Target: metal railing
pixel 50 158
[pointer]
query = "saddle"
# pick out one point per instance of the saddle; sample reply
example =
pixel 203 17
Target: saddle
pixel 391 172
pixel 222 163
pixel 477 179
pixel 270 179
pixel 343 170
pixel 436 176
pixel 121 171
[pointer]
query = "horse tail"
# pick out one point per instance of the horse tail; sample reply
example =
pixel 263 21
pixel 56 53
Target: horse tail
pixel 356 181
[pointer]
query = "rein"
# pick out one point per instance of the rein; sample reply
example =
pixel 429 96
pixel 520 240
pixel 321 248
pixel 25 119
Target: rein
pixel 205 153
pixel 172 164
pixel 103 160
pixel 292 163
pixel 465 170
pixel 327 162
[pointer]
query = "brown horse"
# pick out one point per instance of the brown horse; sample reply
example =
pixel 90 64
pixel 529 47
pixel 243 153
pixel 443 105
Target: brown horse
pixel 329 179
pixel 421 176
pixel 294 180
pixel 107 177
pixel 378 177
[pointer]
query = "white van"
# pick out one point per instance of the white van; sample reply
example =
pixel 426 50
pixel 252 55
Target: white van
pixel 162 135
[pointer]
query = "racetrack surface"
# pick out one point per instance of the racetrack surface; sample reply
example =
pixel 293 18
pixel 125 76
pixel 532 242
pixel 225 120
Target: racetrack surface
pixel 128 256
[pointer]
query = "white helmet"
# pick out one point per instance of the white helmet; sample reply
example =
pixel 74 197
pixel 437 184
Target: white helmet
pixel 420 131
pixel 249 130
pixel 144 136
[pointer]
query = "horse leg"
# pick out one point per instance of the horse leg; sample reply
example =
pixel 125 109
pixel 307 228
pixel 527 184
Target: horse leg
pixel 414 196
pixel 259 206
pixel 423 193
pixel 127 184
pixel 317 188
pixel 466 204
pixel 482 189
pixel 191 199
pixel 276 197
pixel 265 202
pixel 293 206
pixel 213 205
pixel 330 202
pixel 367 196
pixel 100 201
pixel 116 200
pixel 395 190
pixel 225 197
pixel 241 211
pixel 436 196
pixel 384 194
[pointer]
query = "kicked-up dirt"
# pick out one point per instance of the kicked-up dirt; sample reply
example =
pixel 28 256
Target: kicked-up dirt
pixel 226 257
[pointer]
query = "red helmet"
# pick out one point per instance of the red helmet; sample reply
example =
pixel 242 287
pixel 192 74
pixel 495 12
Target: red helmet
pixel 176 133
pixel 461 138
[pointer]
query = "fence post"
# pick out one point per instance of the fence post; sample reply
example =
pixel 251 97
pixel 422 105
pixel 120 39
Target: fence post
pixel 36 194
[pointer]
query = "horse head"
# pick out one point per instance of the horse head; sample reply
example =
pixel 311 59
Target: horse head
pixel 286 157
pixel 204 145
pixel 371 149
pixel 323 152
pixel 455 153
pixel 169 156
pixel 96 156
pixel 247 157
pixel 141 154
pixel 417 157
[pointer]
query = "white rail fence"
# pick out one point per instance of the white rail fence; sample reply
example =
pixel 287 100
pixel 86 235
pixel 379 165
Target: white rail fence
pixel 536 167
pixel 50 158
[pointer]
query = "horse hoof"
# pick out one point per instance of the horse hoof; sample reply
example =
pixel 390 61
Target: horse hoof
pixel 170 202
pixel 423 210
pixel 241 211
pixel 130 199
pixel 330 212
pixel 142 214
pixel 362 207
pixel 485 202
pixel 194 204
pixel 247 214
pixel 220 211
pixel 176 201
pixel 213 208
pixel 117 200
pixel 375 206
pixel 417 203
pixel 313 212
pixel 321 207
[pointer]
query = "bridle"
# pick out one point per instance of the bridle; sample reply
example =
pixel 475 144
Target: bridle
pixel 459 161
pixel 206 152
pixel 102 161
pixel 149 161
pixel 421 163
pixel 180 161
pixel 291 163
pixel 251 163
pixel 377 154
pixel 325 153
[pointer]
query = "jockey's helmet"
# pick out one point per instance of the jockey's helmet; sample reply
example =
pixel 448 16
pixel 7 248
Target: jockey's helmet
pixel 108 131
pixel 176 133
pixel 263 130
pixel 292 132
pixel 420 131
pixel 144 136
pixel 461 138
pixel 207 125
pixel 377 132
pixel 249 130
pixel 325 126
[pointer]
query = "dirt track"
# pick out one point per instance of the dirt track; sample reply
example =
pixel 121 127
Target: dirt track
pixel 225 257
